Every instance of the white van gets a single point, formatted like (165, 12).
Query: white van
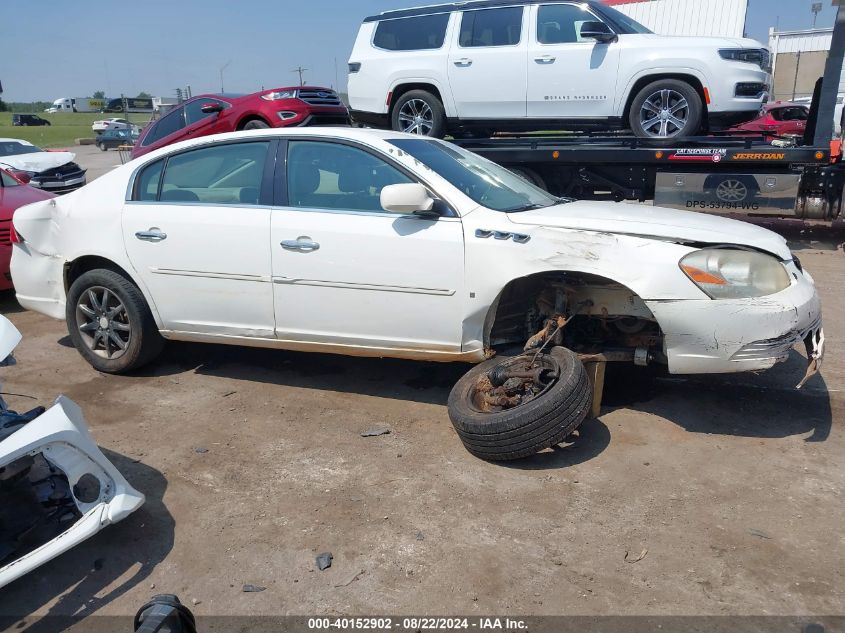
(533, 64)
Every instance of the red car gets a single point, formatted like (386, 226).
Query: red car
(215, 114)
(776, 119)
(13, 194)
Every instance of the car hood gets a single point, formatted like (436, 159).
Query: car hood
(701, 41)
(38, 161)
(655, 222)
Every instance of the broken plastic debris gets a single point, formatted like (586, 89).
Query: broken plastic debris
(758, 533)
(253, 589)
(375, 432)
(629, 559)
(324, 561)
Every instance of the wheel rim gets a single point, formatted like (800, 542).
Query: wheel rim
(731, 190)
(664, 114)
(486, 397)
(103, 322)
(416, 117)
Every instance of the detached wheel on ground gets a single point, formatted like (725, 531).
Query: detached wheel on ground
(510, 408)
(667, 108)
(419, 112)
(110, 323)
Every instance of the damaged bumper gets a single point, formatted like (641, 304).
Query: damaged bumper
(742, 334)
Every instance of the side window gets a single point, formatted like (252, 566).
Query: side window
(146, 186)
(323, 175)
(561, 23)
(425, 32)
(167, 125)
(220, 174)
(491, 27)
(7, 181)
(194, 113)
(777, 114)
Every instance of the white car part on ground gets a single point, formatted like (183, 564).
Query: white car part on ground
(56, 487)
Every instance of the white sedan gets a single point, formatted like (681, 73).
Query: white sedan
(112, 124)
(376, 243)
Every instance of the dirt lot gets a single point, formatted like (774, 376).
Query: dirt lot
(733, 484)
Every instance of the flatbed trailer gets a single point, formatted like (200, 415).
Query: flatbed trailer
(799, 178)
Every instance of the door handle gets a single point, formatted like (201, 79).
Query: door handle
(463, 62)
(545, 59)
(154, 234)
(302, 244)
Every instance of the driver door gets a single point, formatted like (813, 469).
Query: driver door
(348, 273)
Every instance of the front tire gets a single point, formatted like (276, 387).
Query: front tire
(110, 323)
(102, 147)
(256, 124)
(419, 112)
(667, 108)
(543, 415)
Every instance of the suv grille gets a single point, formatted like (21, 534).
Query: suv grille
(320, 97)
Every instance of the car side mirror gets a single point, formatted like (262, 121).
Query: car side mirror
(598, 31)
(406, 198)
(211, 108)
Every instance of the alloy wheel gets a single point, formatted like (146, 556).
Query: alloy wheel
(103, 322)
(416, 117)
(731, 190)
(664, 113)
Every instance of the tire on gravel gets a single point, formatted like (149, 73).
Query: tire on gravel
(145, 342)
(528, 428)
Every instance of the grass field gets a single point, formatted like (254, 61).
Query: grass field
(64, 128)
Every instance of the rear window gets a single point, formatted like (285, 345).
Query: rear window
(425, 32)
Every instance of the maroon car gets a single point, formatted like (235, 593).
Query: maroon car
(13, 194)
(776, 119)
(215, 114)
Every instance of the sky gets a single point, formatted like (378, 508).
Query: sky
(72, 49)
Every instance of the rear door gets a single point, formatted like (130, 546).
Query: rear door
(197, 232)
(569, 76)
(487, 64)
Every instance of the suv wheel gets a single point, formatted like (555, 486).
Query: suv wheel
(110, 323)
(256, 124)
(667, 108)
(419, 112)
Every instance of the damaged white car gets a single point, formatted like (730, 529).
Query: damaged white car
(56, 487)
(376, 243)
(52, 171)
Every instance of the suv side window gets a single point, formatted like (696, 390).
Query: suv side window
(425, 32)
(326, 175)
(561, 23)
(491, 27)
(171, 122)
(194, 113)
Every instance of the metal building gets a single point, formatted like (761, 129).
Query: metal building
(798, 59)
(724, 18)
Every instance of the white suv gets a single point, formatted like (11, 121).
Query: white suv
(528, 64)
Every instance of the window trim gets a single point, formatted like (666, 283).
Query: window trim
(412, 17)
(281, 198)
(587, 8)
(475, 11)
(265, 195)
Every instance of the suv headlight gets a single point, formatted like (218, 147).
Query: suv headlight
(279, 94)
(759, 56)
(734, 274)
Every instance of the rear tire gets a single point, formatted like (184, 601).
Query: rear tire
(110, 323)
(667, 108)
(539, 423)
(102, 147)
(419, 112)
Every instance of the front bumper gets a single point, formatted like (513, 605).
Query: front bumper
(60, 436)
(721, 336)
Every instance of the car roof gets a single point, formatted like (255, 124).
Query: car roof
(16, 140)
(455, 6)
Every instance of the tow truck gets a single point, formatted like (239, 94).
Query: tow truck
(797, 177)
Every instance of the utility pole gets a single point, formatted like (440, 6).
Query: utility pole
(816, 8)
(222, 68)
(300, 70)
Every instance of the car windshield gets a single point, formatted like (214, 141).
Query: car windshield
(622, 23)
(13, 148)
(483, 181)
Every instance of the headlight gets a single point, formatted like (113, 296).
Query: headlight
(759, 56)
(279, 94)
(734, 274)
